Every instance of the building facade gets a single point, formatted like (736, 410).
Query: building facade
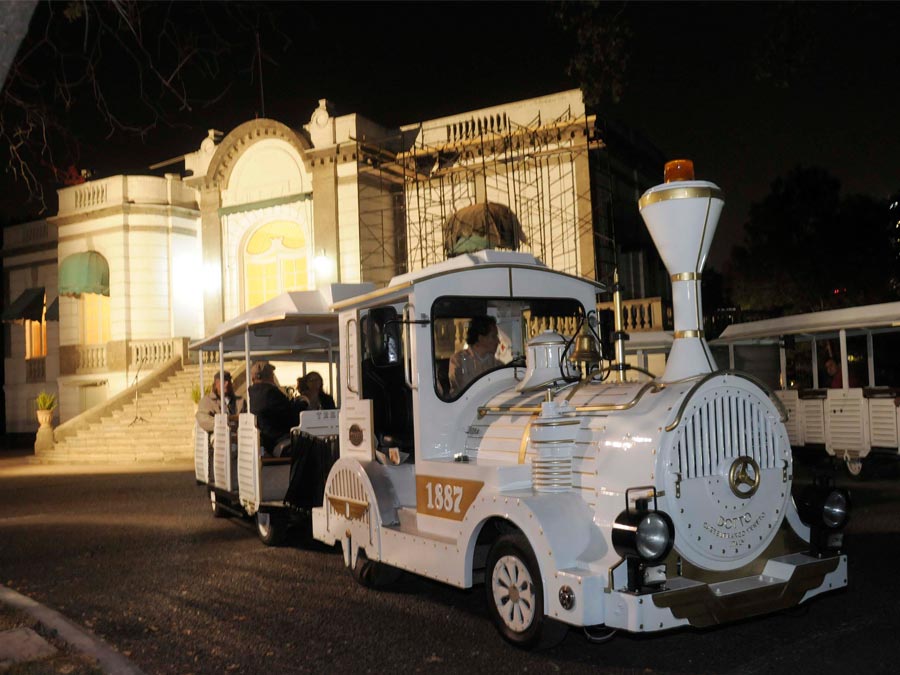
(132, 268)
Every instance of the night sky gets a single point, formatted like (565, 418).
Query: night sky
(691, 86)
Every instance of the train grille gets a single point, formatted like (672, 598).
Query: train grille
(346, 496)
(721, 428)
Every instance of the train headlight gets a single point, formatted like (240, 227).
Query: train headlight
(826, 509)
(643, 537)
(823, 505)
(648, 535)
(836, 509)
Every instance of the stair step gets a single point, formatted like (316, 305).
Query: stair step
(163, 435)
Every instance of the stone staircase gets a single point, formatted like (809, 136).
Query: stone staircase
(158, 429)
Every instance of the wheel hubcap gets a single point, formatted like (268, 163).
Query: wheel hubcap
(262, 522)
(513, 593)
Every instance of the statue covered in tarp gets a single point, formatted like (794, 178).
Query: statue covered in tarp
(480, 226)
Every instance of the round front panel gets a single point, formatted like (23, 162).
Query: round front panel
(728, 474)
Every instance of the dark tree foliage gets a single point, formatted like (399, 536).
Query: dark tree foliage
(602, 47)
(120, 67)
(807, 248)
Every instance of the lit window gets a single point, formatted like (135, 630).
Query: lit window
(94, 319)
(275, 261)
(36, 336)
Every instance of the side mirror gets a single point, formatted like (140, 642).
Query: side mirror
(382, 336)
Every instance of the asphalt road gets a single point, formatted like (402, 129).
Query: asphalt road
(139, 559)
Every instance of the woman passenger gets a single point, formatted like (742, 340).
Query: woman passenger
(310, 388)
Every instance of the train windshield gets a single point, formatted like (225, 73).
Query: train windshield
(475, 336)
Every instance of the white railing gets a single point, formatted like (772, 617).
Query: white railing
(564, 325)
(641, 314)
(152, 351)
(90, 357)
(91, 195)
(117, 190)
(35, 232)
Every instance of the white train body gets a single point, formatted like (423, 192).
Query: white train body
(454, 486)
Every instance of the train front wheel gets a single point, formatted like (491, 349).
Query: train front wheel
(515, 595)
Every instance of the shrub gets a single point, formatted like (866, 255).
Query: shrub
(45, 401)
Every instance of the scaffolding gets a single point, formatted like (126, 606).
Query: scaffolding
(539, 170)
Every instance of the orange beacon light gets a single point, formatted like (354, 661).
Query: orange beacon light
(678, 169)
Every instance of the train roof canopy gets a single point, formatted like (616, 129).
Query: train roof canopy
(292, 321)
(877, 318)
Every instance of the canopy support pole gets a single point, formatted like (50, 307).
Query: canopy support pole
(870, 357)
(221, 375)
(845, 370)
(815, 363)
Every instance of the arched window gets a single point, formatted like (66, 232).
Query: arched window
(275, 261)
(86, 276)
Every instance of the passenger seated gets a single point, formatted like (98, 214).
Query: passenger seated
(836, 378)
(275, 413)
(482, 338)
(211, 405)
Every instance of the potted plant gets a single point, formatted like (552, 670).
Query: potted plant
(45, 404)
(197, 395)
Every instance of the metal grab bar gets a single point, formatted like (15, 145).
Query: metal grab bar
(782, 411)
(408, 312)
(348, 359)
(605, 407)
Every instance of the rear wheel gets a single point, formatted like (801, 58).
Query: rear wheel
(271, 528)
(515, 595)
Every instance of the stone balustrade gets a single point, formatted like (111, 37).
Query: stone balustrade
(642, 314)
(119, 355)
(35, 370)
(28, 234)
(119, 190)
(87, 358)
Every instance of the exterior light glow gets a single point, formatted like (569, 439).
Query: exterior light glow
(323, 266)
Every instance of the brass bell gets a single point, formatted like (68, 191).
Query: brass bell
(586, 352)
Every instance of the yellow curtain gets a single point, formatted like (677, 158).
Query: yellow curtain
(275, 261)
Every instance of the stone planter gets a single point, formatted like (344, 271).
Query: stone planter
(44, 417)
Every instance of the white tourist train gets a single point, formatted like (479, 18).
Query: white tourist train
(852, 421)
(577, 494)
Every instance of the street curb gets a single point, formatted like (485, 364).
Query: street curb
(111, 661)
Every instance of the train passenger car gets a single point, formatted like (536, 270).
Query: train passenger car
(852, 414)
(241, 479)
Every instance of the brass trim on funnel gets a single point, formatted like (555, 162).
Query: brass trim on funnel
(680, 193)
(686, 276)
(682, 334)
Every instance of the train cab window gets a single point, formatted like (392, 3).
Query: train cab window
(475, 336)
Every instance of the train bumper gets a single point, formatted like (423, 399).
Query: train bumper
(785, 582)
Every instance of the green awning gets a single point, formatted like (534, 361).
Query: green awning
(29, 305)
(53, 310)
(86, 272)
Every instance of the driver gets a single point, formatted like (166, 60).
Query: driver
(479, 357)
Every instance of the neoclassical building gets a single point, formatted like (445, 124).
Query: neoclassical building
(133, 267)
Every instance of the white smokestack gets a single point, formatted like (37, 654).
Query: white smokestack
(682, 217)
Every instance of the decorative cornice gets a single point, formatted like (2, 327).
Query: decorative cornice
(242, 137)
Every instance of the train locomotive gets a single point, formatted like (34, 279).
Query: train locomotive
(577, 494)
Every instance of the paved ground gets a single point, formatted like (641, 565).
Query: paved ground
(138, 559)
